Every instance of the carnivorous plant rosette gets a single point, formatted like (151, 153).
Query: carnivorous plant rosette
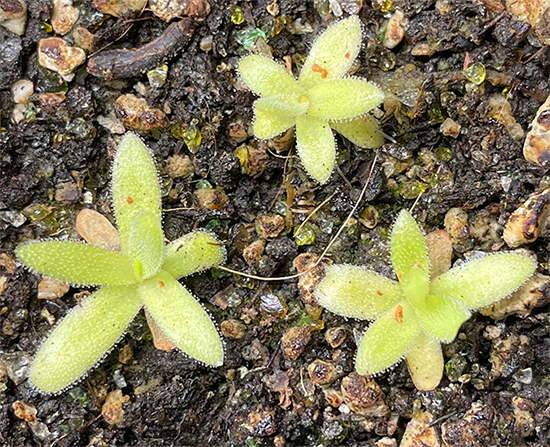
(323, 97)
(143, 273)
(414, 315)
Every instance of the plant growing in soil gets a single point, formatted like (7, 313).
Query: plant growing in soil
(322, 97)
(413, 315)
(143, 274)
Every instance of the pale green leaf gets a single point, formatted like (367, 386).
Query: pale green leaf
(88, 331)
(486, 280)
(343, 99)
(192, 253)
(442, 317)
(388, 339)
(77, 262)
(181, 318)
(409, 255)
(265, 77)
(268, 126)
(425, 362)
(146, 243)
(333, 53)
(135, 185)
(356, 292)
(316, 147)
(364, 132)
(283, 104)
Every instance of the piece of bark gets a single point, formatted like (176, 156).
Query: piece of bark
(115, 64)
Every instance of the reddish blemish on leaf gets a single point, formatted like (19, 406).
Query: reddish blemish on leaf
(161, 284)
(346, 55)
(316, 68)
(399, 275)
(129, 200)
(379, 293)
(398, 314)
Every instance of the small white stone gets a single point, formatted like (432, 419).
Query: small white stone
(22, 90)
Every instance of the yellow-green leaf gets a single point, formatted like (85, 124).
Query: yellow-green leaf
(425, 362)
(192, 253)
(265, 77)
(356, 292)
(364, 132)
(343, 99)
(333, 53)
(283, 104)
(135, 185)
(77, 262)
(181, 318)
(268, 126)
(146, 243)
(486, 280)
(388, 339)
(316, 147)
(88, 331)
(442, 317)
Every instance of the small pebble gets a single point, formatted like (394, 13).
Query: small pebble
(418, 432)
(470, 431)
(51, 99)
(450, 128)
(295, 340)
(51, 289)
(395, 30)
(25, 411)
(270, 226)
(13, 16)
(335, 336)
(456, 224)
(440, 252)
(253, 252)
(22, 90)
(529, 221)
(363, 395)
(322, 373)
(178, 166)
(96, 229)
(112, 410)
(233, 328)
(160, 340)
(335, 398)
(119, 7)
(136, 114)
(211, 199)
(56, 55)
(64, 16)
(67, 192)
(83, 38)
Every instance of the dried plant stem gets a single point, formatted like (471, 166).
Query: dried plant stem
(328, 247)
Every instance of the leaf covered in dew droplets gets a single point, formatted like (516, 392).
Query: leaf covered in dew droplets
(146, 243)
(266, 77)
(316, 147)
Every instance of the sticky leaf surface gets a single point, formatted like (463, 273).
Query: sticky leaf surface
(146, 242)
(192, 253)
(316, 147)
(442, 317)
(88, 331)
(77, 263)
(357, 292)
(265, 77)
(364, 132)
(285, 104)
(332, 53)
(267, 125)
(135, 185)
(486, 280)
(181, 318)
(425, 362)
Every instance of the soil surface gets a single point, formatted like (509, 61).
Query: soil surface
(55, 160)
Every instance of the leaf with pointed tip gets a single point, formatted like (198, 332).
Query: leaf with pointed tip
(388, 339)
(266, 77)
(409, 255)
(181, 318)
(343, 99)
(333, 53)
(316, 147)
(442, 317)
(88, 331)
(135, 185)
(356, 292)
(364, 132)
(486, 280)
(425, 362)
(146, 243)
(77, 262)
(269, 126)
(193, 253)
(283, 104)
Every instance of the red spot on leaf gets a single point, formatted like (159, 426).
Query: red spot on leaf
(378, 292)
(321, 70)
(346, 55)
(161, 284)
(398, 314)
(129, 200)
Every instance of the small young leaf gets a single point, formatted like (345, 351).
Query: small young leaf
(268, 126)
(146, 242)
(77, 263)
(192, 253)
(88, 331)
(135, 185)
(486, 280)
(388, 339)
(356, 292)
(342, 99)
(364, 132)
(316, 147)
(442, 317)
(425, 362)
(265, 77)
(333, 53)
(181, 318)
(283, 105)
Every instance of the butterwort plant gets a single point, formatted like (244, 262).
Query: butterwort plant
(321, 99)
(143, 274)
(414, 315)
